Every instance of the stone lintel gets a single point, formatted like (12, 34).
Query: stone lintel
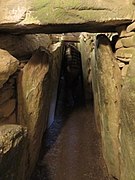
(91, 27)
(48, 16)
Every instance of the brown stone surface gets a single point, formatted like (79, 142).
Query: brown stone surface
(127, 34)
(126, 41)
(124, 70)
(8, 66)
(86, 47)
(123, 30)
(5, 95)
(49, 16)
(127, 133)
(23, 45)
(12, 140)
(131, 27)
(125, 53)
(118, 44)
(33, 102)
(11, 119)
(7, 108)
(106, 86)
(120, 64)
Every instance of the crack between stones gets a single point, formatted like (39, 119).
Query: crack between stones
(84, 9)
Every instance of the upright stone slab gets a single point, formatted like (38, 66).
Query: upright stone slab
(56, 50)
(33, 102)
(86, 48)
(106, 86)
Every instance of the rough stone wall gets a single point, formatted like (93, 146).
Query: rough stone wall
(8, 102)
(12, 144)
(12, 137)
(8, 68)
(21, 47)
(113, 84)
(125, 53)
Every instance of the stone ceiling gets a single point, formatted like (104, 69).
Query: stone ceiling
(49, 16)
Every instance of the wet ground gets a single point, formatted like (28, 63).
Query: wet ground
(71, 146)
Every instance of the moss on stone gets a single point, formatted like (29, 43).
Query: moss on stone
(48, 12)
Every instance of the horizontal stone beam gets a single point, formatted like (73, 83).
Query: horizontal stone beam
(48, 16)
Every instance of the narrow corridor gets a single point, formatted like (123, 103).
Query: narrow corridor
(71, 146)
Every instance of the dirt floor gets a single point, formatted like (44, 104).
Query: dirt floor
(71, 146)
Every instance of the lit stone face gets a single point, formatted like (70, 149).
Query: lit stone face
(98, 15)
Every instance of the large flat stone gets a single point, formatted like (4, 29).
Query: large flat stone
(22, 46)
(106, 86)
(34, 102)
(49, 16)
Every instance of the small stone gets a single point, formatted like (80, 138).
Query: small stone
(128, 41)
(121, 64)
(124, 53)
(131, 27)
(125, 60)
(127, 34)
(124, 70)
(118, 44)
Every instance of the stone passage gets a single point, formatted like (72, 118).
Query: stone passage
(26, 99)
(71, 146)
